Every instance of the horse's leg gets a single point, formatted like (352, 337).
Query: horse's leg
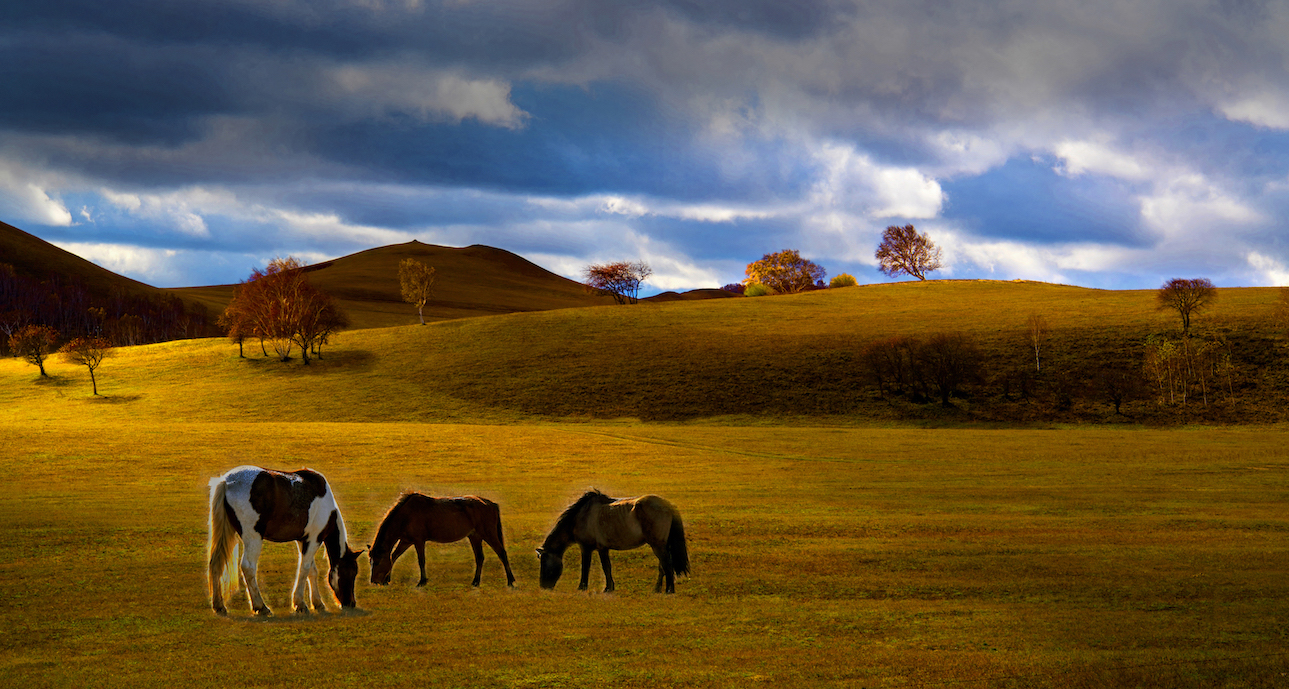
(665, 569)
(420, 559)
(494, 541)
(476, 544)
(586, 567)
(608, 570)
(398, 551)
(313, 586)
(299, 595)
(251, 544)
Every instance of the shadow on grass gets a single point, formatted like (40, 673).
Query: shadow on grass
(51, 381)
(343, 361)
(294, 618)
(114, 399)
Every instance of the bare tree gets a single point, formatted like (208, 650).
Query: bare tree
(904, 251)
(88, 352)
(621, 280)
(949, 360)
(1036, 326)
(417, 282)
(785, 272)
(1186, 297)
(33, 344)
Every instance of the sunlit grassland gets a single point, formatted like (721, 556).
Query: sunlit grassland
(838, 556)
(830, 547)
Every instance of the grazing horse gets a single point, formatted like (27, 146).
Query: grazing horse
(600, 523)
(418, 518)
(254, 505)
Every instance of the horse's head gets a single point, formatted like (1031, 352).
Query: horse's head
(381, 567)
(552, 567)
(342, 576)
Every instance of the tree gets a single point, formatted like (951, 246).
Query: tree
(1186, 297)
(1036, 326)
(904, 251)
(843, 280)
(417, 282)
(279, 305)
(88, 352)
(784, 272)
(949, 360)
(33, 344)
(621, 280)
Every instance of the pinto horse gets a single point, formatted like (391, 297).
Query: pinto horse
(417, 518)
(599, 523)
(254, 505)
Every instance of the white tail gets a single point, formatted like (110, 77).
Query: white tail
(223, 545)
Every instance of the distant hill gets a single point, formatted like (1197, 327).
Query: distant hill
(35, 258)
(692, 295)
(472, 281)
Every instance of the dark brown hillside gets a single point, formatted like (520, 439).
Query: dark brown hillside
(471, 281)
(41, 284)
(34, 258)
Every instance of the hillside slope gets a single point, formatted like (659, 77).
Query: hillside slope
(770, 358)
(37, 259)
(471, 281)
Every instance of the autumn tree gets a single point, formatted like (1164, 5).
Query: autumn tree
(88, 352)
(33, 344)
(621, 280)
(279, 305)
(1186, 297)
(417, 283)
(1036, 330)
(904, 251)
(785, 272)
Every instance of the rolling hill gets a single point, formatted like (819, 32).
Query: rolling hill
(35, 258)
(760, 360)
(471, 281)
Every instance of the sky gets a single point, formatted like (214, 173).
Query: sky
(1103, 143)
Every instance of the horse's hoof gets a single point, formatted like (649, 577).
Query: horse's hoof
(221, 611)
(301, 610)
(264, 612)
(423, 583)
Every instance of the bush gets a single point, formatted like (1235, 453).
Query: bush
(757, 290)
(843, 280)
(735, 287)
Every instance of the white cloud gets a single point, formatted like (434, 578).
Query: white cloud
(853, 181)
(149, 265)
(25, 196)
(1271, 271)
(1082, 157)
(1266, 108)
(1190, 204)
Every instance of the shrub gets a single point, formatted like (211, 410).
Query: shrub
(843, 280)
(757, 290)
(735, 287)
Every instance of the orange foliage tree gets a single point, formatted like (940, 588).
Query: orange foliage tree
(784, 272)
(33, 344)
(279, 305)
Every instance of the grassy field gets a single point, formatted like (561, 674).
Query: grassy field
(821, 556)
(831, 546)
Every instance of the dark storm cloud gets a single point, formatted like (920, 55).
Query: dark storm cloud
(697, 133)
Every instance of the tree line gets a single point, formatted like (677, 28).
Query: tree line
(279, 306)
(70, 310)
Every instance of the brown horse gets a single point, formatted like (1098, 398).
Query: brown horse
(600, 523)
(418, 518)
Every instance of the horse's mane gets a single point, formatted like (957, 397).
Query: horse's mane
(593, 496)
(383, 531)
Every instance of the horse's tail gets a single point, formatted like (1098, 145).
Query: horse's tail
(676, 547)
(223, 542)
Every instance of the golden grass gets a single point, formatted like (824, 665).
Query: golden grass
(839, 556)
(827, 550)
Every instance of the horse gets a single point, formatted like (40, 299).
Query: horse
(599, 523)
(417, 518)
(252, 505)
